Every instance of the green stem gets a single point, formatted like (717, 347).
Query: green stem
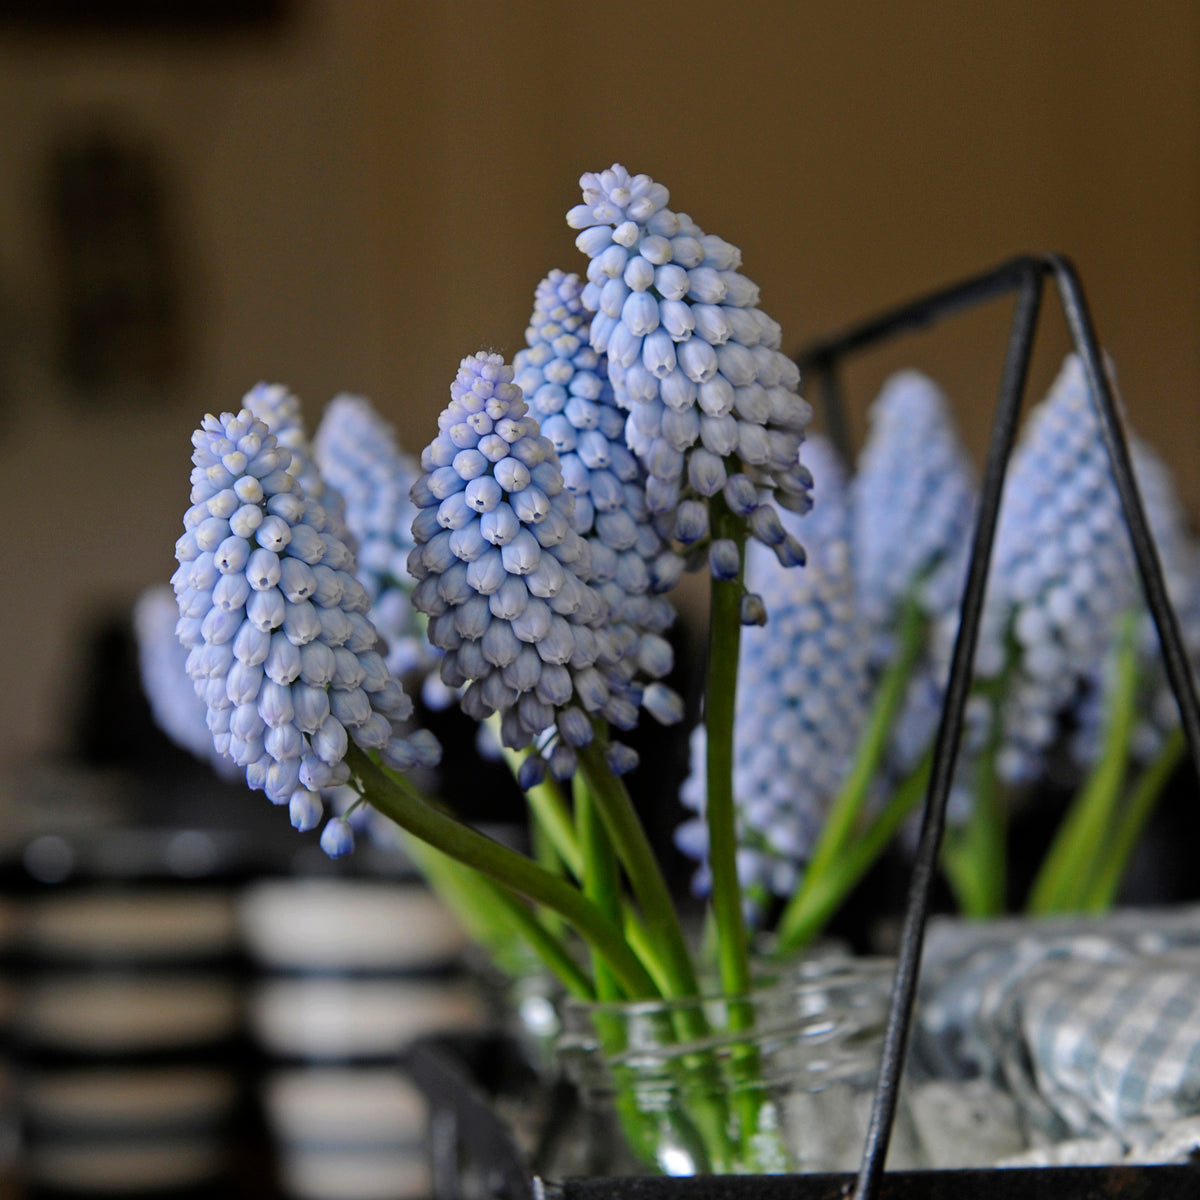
(819, 902)
(542, 942)
(640, 943)
(552, 822)
(458, 887)
(1102, 890)
(395, 798)
(601, 880)
(602, 885)
(477, 899)
(1061, 883)
(724, 641)
(838, 827)
(974, 857)
(673, 964)
(549, 810)
(642, 868)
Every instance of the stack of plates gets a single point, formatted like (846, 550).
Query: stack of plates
(127, 1029)
(350, 971)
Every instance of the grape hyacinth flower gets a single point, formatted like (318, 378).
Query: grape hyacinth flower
(357, 454)
(713, 406)
(162, 666)
(1158, 713)
(802, 698)
(274, 621)
(503, 577)
(914, 503)
(564, 380)
(913, 509)
(1062, 571)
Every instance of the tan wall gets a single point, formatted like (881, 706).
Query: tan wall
(374, 190)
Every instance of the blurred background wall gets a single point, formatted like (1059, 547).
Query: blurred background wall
(353, 195)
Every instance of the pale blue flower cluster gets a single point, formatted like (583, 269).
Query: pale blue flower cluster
(1180, 561)
(914, 502)
(1062, 573)
(503, 577)
(357, 454)
(274, 620)
(803, 687)
(712, 402)
(564, 381)
(162, 666)
(914, 499)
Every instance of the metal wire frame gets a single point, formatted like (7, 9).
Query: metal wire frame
(1025, 276)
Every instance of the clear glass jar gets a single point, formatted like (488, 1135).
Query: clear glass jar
(778, 1081)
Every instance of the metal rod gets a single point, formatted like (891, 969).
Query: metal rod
(945, 753)
(917, 314)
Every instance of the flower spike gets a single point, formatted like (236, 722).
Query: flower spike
(504, 578)
(357, 453)
(914, 499)
(1062, 570)
(691, 357)
(162, 666)
(565, 383)
(274, 621)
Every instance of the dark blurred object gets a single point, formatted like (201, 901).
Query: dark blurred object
(119, 310)
(141, 16)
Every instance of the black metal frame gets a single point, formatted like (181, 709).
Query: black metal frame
(1024, 276)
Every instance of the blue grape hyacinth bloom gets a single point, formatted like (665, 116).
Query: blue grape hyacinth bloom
(162, 666)
(803, 689)
(274, 620)
(1062, 572)
(504, 578)
(914, 500)
(913, 504)
(564, 381)
(713, 403)
(358, 456)
(1157, 710)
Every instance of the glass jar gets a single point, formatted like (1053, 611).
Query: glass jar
(778, 1081)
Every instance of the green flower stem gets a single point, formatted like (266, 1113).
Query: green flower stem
(636, 855)
(395, 798)
(552, 821)
(1102, 889)
(818, 903)
(724, 640)
(974, 857)
(544, 853)
(601, 880)
(602, 885)
(458, 887)
(494, 917)
(1074, 855)
(640, 944)
(732, 939)
(549, 809)
(548, 948)
(673, 965)
(838, 828)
